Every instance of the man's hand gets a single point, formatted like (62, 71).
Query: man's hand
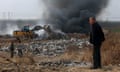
(89, 44)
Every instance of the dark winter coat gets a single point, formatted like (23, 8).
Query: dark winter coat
(96, 34)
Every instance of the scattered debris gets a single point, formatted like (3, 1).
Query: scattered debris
(49, 47)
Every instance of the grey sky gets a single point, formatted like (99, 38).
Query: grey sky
(112, 12)
(20, 9)
(33, 9)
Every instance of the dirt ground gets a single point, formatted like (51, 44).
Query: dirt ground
(28, 63)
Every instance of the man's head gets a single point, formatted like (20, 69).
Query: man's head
(92, 20)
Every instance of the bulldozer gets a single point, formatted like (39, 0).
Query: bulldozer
(24, 33)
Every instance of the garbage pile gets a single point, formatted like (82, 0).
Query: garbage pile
(64, 64)
(49, 47)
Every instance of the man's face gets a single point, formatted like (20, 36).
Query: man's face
(92, 21)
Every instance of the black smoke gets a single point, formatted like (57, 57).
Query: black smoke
(72, 15)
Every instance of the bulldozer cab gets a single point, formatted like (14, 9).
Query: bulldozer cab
(25, 29)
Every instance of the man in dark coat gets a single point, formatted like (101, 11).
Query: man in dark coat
(96, 38)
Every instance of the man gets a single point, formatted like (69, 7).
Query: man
(96, 38)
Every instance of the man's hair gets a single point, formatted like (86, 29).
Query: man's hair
(93, 18)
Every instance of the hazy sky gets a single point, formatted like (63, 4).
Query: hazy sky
(33, 9)
(112, 12)
(20, 9)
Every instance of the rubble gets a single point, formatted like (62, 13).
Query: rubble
(49, 47)
(65, 64)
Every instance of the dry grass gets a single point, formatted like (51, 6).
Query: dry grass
(75, 54)
(23, 60)
(111, 49)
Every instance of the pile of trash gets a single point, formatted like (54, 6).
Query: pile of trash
(49, 47)
(64, 64)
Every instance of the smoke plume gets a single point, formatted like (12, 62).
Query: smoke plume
(72, 15)
(8, 28)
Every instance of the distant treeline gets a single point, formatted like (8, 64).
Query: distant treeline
(111, 24)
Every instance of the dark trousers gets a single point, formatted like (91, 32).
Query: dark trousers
(97, 56)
